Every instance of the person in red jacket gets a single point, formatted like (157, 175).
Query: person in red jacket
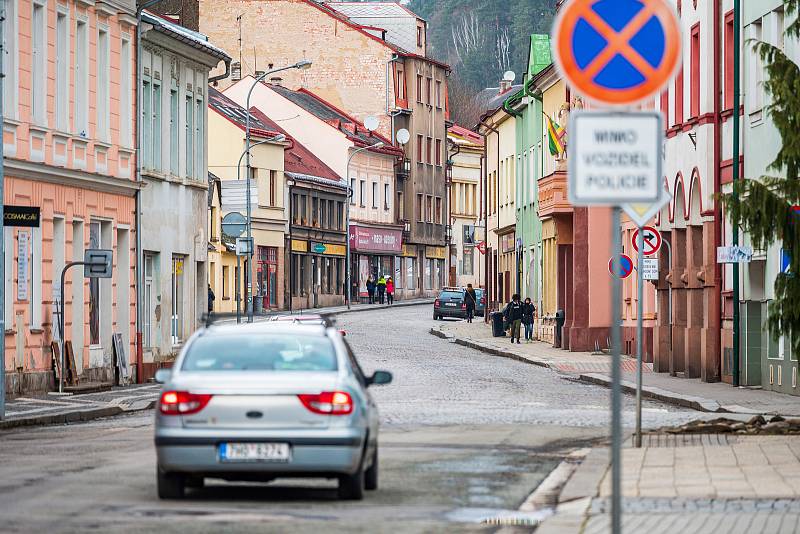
(390, 291)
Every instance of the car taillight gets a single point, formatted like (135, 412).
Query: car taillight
(328, 403)
(182, 402)
(463, 305)
(437, 303)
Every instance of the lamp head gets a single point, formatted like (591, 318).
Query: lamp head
(303, 64)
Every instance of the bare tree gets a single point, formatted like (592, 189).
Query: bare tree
(467, 35)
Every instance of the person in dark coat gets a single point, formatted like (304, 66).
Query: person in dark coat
(528, 312)
(211, 298)
(471, 300)
(513, 314)
(371, 290)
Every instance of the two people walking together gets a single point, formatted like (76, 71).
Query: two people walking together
(518, 313)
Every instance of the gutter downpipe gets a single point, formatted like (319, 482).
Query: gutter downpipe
(395, 58)
(737, 19)
(712, 372)
(486, 194)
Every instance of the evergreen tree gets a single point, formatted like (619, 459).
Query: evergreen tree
(763, 208)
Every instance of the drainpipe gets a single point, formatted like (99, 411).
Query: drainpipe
(737, 16)
(215, 79)
(486, 194)
(715, 318)
(395, 58)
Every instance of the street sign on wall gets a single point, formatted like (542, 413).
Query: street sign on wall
(734, 254)
(614, 157)
(617, 52)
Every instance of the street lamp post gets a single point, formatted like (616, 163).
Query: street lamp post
(302, 65)
(348, 289)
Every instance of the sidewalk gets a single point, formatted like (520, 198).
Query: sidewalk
(596, 369)
(51, 409)
(726, 484)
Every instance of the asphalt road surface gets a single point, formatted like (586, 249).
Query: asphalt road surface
(465, 437)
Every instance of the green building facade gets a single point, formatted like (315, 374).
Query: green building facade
(526, 106)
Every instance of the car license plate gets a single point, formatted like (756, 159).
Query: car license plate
(255, 452)
(449, 303)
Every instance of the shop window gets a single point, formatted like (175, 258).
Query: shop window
(178, 266)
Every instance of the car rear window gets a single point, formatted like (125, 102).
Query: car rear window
(260, 353)
(451, 294)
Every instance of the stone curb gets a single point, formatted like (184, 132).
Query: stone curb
(75, 416)
(436, 331)
(701, 404)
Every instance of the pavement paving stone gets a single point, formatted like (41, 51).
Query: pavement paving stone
(586, 365)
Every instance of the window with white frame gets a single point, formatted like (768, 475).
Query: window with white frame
(174, 167)
(755, 89)
(39, 62)
(125, 84)
(10, 46)
(199, 137)
(147, 132)
(103, 83)
(81, 71)
(62, 69)
(189, 142)
(155, 127)
(386, 197)
(374, 195)
(35, 282)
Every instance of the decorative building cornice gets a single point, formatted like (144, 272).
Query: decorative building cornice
(71, 177)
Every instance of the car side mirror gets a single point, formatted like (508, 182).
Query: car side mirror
(379, 378)
(163, 375)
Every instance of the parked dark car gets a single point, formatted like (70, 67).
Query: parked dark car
(450, 303)
(480, 308)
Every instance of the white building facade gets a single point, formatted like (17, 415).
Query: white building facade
(174, 71)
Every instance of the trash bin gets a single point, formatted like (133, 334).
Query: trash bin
(560, 320)
(497, 324)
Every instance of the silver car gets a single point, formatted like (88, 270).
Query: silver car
(263, 401)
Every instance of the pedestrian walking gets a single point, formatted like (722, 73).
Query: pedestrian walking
(390, 291)
(211, 298)
(513, 314)
(371, 289)
(471, 300)
(381, 288)
(528, 312)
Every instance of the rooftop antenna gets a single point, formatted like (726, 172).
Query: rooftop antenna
(239, 21)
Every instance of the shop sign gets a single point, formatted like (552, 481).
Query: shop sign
(334, 250)
(299, 246)
(438, 253)
(319, 248)
(408, 251)
(27, 216)
(23, 238)
(365, 239)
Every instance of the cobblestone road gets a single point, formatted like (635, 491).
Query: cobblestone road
(438, 382)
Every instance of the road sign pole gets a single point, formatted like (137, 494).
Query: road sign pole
(238, 289)
(639, 311)
(616, 393)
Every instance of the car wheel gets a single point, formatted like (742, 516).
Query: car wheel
(371, 475)
(351, 487)
(170, 485)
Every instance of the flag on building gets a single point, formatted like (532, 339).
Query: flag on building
(555, 136)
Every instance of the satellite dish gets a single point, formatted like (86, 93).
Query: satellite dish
(509, 76)
(403, 136)
(371, 123)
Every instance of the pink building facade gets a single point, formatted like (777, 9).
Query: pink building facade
(68, 138)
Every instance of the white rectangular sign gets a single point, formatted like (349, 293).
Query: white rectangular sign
(649, 268)
(614, 157)
(734, 254)
(23, 261)
(234, 194)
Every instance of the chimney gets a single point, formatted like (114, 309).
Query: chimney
(259, 73)
(236, 71)
(276, 80)
(505, 85)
